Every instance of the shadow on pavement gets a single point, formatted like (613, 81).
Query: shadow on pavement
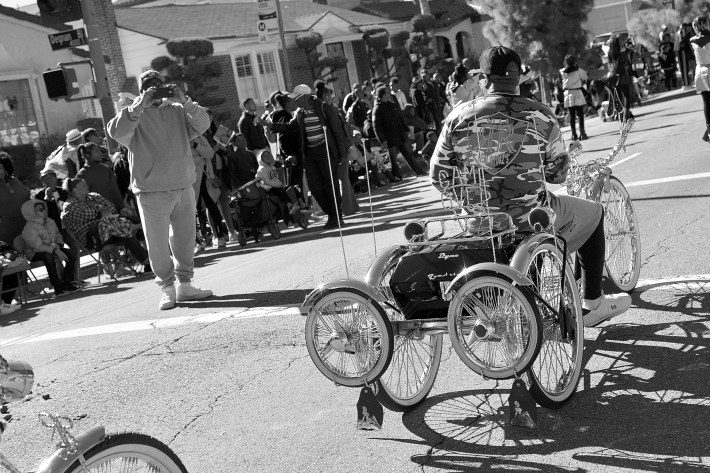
(253, 299)
(647, 411)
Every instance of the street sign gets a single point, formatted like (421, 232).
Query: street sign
(267, 23)
(67, 39)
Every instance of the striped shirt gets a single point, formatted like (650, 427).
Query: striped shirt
(314, 129)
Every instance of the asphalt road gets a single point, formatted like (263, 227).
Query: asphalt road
(228, 384)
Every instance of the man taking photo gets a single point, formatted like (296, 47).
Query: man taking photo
(157, 129)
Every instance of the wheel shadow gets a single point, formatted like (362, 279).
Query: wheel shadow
(642, 396)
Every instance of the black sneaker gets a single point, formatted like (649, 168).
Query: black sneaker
(147, 268)
(329, 225)
(69, 287)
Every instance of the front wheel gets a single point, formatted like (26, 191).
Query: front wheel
(555, 373)
(129, 452)
(495, 325)
(623, 238)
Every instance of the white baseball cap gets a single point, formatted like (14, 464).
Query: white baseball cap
(301, 89)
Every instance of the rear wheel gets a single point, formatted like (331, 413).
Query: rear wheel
(415, 361)
(623, 239)
(555, 372)
(129, 452)
(349, 337)
(494, 325)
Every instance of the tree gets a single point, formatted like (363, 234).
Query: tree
(190, 66)
(542, 32)
(321, 68)
(646, 25)
(387, 54)
(421, 38)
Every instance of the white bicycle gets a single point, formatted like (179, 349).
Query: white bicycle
(92, 450)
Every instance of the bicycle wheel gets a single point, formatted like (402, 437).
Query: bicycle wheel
(554, 374)
(494, 325)
(349, 337)
(623, 239)
(129, 452)
(415, 360)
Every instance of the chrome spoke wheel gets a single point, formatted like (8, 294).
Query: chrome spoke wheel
(555, 373)
(623, 240)
(348, 337)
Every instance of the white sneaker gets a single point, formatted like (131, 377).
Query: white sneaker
(167, 300)
(199, 248)
(6, 309)
(233, 236)
(187, 292)
(608, 305)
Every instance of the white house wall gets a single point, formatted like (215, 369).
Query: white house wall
(16, 39)
(138, 50)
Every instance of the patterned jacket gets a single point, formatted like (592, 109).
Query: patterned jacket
(507, 138)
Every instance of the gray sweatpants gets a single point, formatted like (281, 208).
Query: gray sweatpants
(168, 219)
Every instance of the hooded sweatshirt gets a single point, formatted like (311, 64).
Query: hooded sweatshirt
(268, 174)
(40, 233)
(158, 145)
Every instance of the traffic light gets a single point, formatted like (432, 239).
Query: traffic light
(61, 83)
(54, 12)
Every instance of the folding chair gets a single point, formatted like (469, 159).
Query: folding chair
(110, 258)
(27, 280)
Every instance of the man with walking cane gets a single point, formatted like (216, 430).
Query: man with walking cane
(323, 147)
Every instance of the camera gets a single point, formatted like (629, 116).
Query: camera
(165, 91)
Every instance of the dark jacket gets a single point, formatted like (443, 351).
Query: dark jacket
(389, 124)
(51, 196)
(241, 166)
(256, 139)
(102, 180)
(286, 143)
(328, 116)
(358, 113)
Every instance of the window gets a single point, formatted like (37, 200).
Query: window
(267, 71)
(18, 122)
(341, 85)
(257, 75)
(246, 81)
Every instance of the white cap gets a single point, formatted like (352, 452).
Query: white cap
(301, 89)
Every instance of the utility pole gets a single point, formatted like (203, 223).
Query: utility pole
(287, 69)
(97, 58)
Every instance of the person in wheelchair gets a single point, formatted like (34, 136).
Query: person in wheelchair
(510, 138)
(270, 182)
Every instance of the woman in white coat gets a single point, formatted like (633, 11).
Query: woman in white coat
(573, 78)
(701, 47)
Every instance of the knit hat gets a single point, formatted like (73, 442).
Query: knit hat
(500, 61)
(149, 77)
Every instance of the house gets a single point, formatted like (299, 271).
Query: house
(26, 112)
(251, 68)
(458, 27)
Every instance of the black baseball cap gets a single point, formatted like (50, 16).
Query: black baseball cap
(497, 61)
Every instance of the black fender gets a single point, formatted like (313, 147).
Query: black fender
(470, 273)
(60, 461)
(369, 292)
(374, 274)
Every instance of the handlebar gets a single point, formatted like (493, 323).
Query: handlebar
(16, 379)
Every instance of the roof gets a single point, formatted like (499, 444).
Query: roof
(24, 16)
(229, 20)
(446, 12)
